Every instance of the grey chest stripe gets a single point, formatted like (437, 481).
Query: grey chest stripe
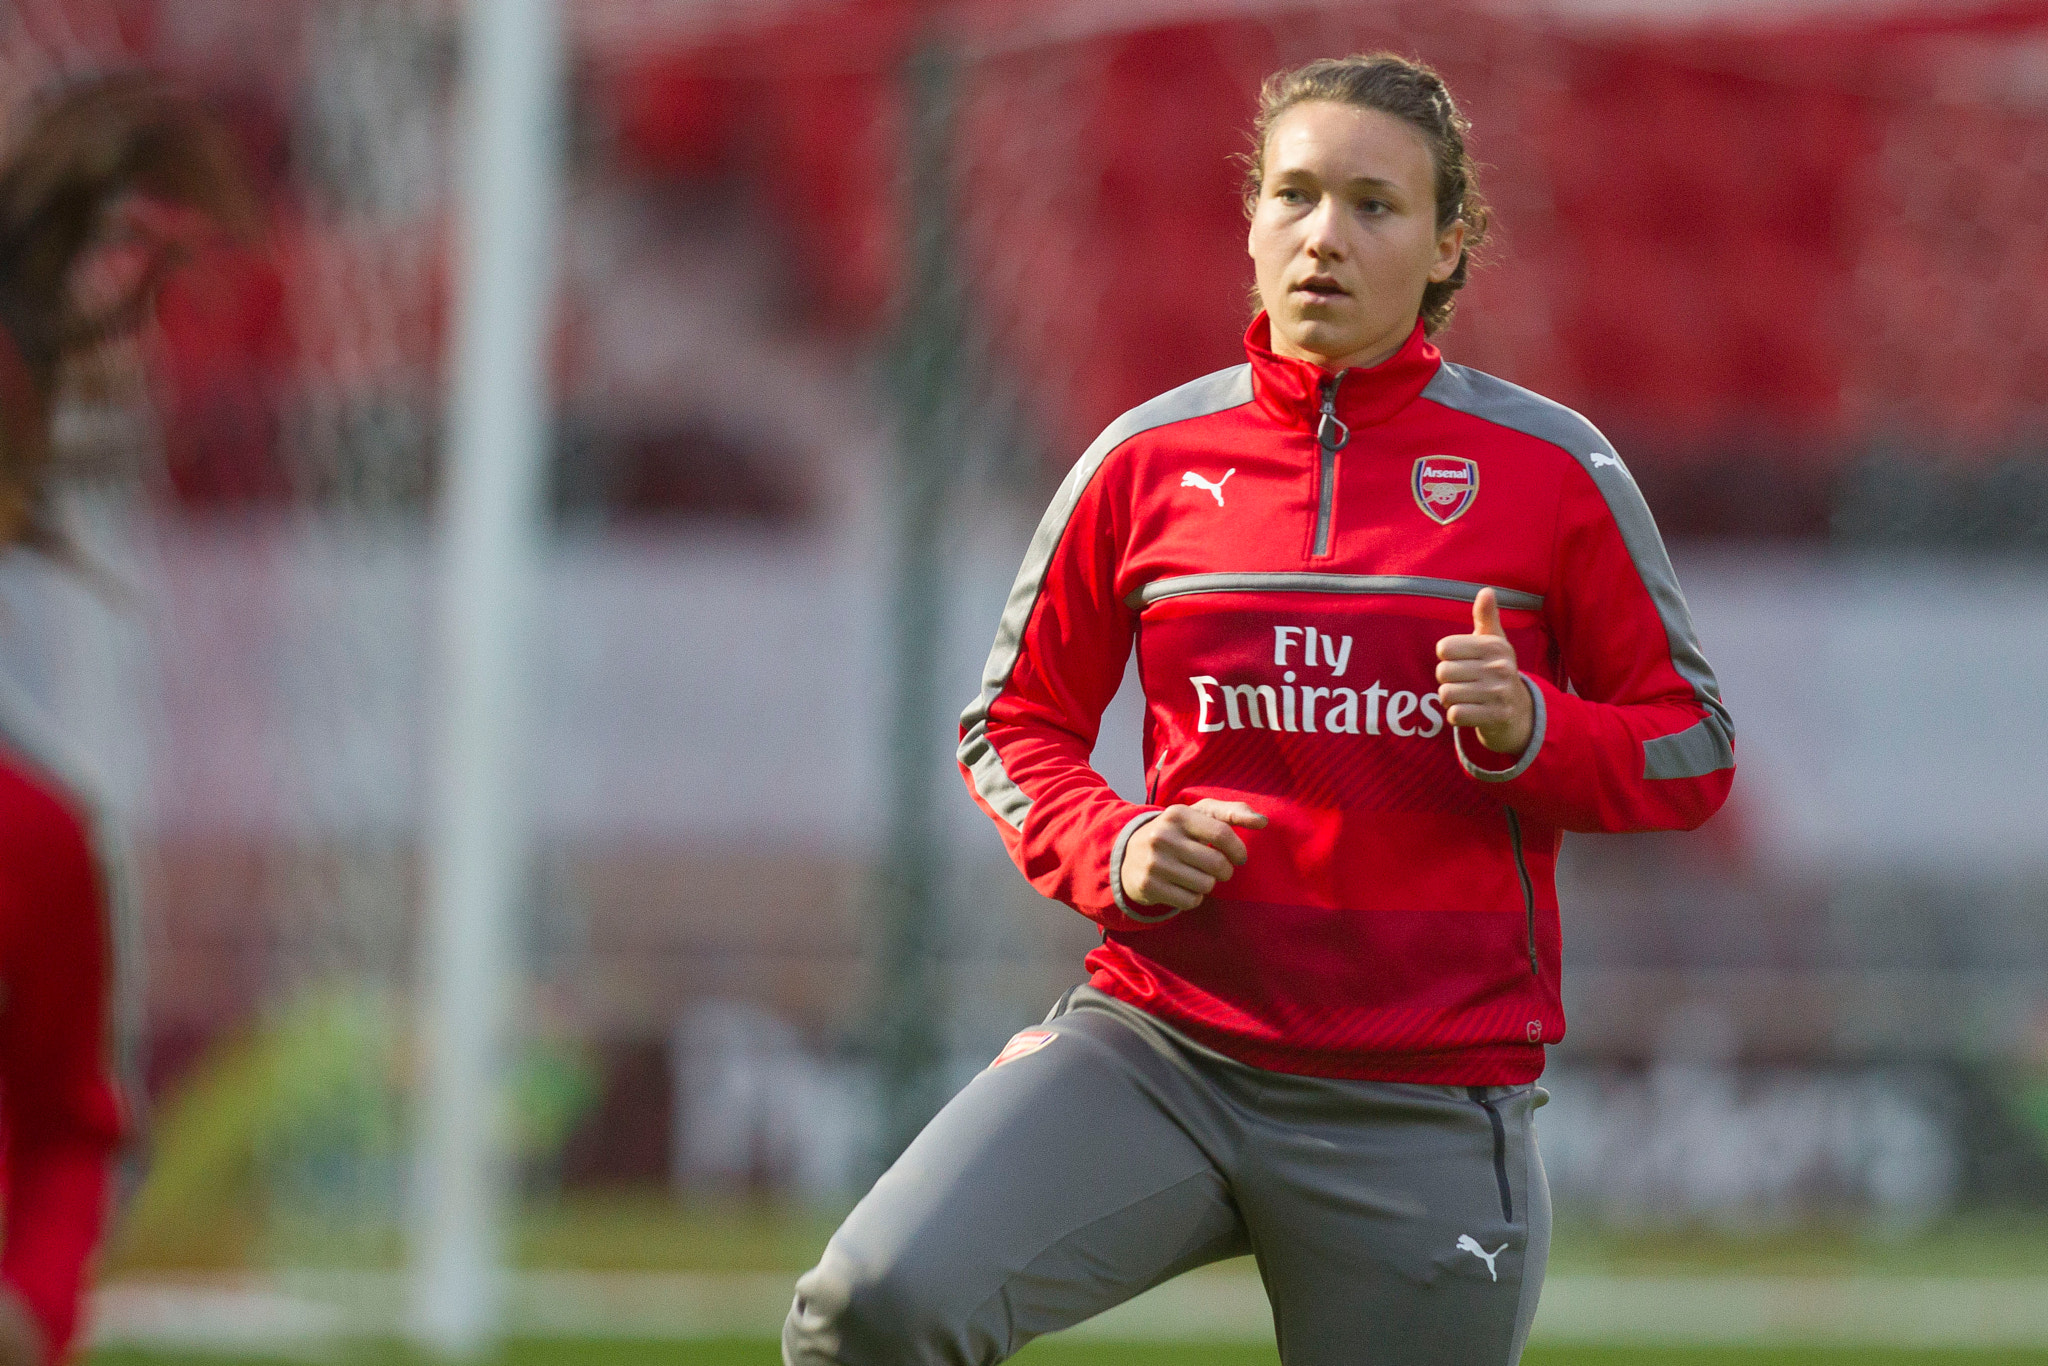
(1215, 393)
(1397, 585)
(1703, 748)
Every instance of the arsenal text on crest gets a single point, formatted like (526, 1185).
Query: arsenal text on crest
(1445, 486)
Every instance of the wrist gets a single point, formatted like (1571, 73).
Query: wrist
(1477, 759)
(1121, 865)
(1513, 736)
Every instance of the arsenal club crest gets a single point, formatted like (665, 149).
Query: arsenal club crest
(1445, 486)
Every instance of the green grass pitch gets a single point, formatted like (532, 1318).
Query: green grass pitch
(1052, 1352)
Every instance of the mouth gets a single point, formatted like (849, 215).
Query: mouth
(1321, 287)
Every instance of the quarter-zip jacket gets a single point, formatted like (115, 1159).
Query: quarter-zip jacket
(1285, 547)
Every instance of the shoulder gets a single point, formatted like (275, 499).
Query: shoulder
(53, 893)
(1211, 394)
(1495, 400)
(35, 805)
(45, 834)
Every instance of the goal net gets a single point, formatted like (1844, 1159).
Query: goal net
(1731, 240)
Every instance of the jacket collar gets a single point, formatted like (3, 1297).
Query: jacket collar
(1291, 390)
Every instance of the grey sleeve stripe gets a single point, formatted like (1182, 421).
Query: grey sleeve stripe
(1512, 406)
(1401, 585)
(1215, 393)
(990, 780)
(1694, 752)
(1116, 871)
(1537, 729)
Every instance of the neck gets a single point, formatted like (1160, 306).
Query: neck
(1380, 350)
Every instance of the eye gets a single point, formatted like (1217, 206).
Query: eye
(1289, 195)
(1373, 208)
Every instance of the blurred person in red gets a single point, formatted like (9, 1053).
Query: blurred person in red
(1399, 625)
(78, 188)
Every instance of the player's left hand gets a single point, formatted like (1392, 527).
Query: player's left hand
(21, 1339)
(1480, 685)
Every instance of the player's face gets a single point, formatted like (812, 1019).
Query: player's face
(1344, 235)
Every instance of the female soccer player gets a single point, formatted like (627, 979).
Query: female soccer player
(1399, 624)
(61, 1110)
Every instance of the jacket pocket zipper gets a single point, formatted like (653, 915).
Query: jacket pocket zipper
(1331, 436)
(1528, 887)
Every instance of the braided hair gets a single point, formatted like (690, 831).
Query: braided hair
(1416, 95)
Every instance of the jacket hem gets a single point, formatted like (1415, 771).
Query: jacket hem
(1491, 1064)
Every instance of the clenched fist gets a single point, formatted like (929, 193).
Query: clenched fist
(1177, 858)
(1481, 686)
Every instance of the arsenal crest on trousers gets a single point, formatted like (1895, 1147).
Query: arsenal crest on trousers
(1445, 486)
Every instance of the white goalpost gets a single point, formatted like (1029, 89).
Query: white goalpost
(491, 513)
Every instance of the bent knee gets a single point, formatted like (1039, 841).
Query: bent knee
(897, 1314)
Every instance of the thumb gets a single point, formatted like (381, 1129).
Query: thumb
(1231, 813)
(1486, 614)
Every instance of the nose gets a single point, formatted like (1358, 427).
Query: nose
(1321, 238)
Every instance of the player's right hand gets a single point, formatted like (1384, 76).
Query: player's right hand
(1177, 858)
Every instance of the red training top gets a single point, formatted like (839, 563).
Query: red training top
(61, 1115)
(1286, 547)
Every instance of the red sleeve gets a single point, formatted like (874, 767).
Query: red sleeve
(1059, 658)
(1642, 741)
(62, 1110)
(56, 1206)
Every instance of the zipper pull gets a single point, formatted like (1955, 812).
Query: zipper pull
(1331, 433)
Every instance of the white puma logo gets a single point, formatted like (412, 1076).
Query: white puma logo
(1467, 1243)
(1600, 458)
(1191, 480)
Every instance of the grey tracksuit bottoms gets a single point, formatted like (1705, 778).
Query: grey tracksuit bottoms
(1393, 1224)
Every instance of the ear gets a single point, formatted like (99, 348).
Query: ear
(1450, 245)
